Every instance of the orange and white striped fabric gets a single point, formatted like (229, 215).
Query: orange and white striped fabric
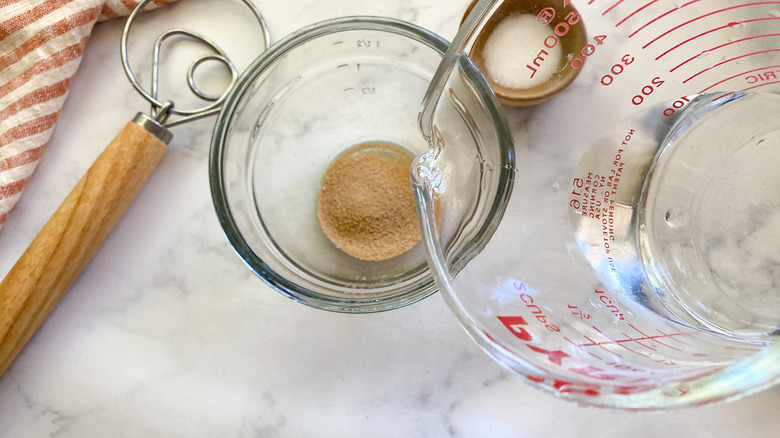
(41, 43)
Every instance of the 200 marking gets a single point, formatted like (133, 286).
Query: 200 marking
(647, 90)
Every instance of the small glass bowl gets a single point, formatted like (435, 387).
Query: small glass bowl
(311, 96)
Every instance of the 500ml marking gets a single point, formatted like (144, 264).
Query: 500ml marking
(544, 18)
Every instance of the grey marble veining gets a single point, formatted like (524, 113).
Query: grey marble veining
(167, 334)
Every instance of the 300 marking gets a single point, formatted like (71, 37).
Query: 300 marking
(616, 70)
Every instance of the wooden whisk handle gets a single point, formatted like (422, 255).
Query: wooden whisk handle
(65, 244)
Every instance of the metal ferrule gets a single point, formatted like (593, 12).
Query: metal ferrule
(148, 123)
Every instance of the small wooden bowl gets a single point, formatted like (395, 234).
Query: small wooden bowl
(572, 43)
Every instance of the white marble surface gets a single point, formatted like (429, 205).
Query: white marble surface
(167, 334)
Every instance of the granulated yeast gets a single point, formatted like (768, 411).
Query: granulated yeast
(366, 204)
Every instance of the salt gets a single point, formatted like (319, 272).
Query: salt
(516, 55)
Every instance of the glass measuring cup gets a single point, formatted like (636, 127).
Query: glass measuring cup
(634, 262)
(310, 97)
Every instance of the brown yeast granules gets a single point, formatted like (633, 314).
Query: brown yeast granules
(366, 204)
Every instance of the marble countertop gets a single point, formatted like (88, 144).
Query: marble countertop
(167, 334)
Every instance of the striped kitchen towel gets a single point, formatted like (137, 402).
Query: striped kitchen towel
(41, 43)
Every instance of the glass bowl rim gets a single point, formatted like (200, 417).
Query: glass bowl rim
(420, 288)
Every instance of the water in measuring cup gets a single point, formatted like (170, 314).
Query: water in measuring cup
(675, 210)
(683, 213)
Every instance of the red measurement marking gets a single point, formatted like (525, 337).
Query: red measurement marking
(730, 60)
(592, 343)
(591, 2)
(621, 343)
(629, 339)
(649, 347)
(634, 13)
(727, 26)
(721, 46)
(737, 75)
(654, 340)
(705, 16)
(662, 16)
(578, 346)
(611, 8)
(677, 332)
